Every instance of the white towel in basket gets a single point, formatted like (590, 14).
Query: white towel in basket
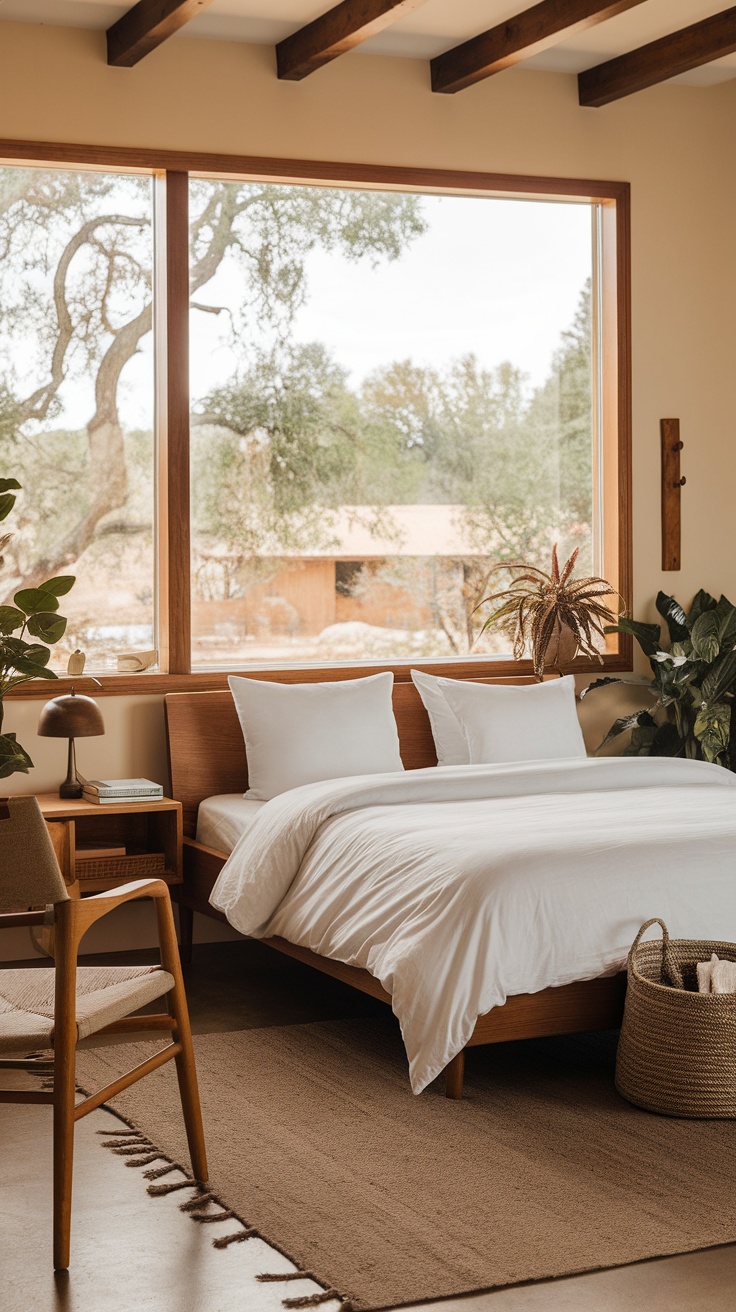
(716, 976)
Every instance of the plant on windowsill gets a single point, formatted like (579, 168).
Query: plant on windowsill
(693, 685)
(34, 613)
(552, 616)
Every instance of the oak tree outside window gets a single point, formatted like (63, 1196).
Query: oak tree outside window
(77, 399)
(368, 395)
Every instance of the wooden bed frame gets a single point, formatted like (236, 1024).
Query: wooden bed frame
(207, 756)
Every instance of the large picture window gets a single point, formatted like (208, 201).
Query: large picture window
(393, 393)
(274, 423)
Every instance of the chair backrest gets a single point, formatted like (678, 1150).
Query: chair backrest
(29, 872)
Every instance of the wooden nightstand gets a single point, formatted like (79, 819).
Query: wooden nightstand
(150, 833)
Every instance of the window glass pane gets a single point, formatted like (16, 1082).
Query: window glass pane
(391, 395)
(76, 400)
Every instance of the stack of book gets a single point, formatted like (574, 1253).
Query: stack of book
(121, 790)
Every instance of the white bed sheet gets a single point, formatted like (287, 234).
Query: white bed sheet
(459, 886)
(223, 819)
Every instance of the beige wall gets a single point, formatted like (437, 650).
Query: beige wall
(674, 144)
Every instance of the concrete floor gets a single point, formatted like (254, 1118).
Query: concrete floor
(131, 1252)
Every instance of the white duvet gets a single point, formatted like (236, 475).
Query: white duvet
(460, 886)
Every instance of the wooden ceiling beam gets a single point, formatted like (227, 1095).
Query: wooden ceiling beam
(146, 26)
(659, 61)
(529, 33)
(336, 32)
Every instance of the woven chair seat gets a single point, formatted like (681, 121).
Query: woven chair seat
(104, 994)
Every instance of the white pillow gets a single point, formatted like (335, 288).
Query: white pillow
(298, 733)
(449, 740)
(502, 722)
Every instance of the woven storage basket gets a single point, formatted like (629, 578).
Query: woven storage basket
(677, 1051)
(137, 866)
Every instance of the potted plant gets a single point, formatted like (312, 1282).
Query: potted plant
(33, 615)
(553, 616)
(693, 683)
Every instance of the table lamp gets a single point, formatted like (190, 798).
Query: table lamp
(71, 717)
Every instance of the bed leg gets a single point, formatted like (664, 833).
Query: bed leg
(186, 933)
(454, 1075)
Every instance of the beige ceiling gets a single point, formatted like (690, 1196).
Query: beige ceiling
(432, 28)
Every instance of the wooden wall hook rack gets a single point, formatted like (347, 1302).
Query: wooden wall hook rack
(672, 483)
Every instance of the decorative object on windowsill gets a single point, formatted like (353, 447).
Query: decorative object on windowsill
(133, 662)
(675, 1054)
(34, 613)
(552, 616)
(693, 684)
(75, 664)
(71, 717)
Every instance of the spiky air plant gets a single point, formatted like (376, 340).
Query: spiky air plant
(553, 616)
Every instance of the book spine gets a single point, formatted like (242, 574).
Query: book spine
(123, 792)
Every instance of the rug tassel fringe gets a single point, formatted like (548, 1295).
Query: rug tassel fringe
(195, 1204)
(130, 1143)
(309, 1300)
(161, 1170)
(248, 1232)
(315, 1300)
(160, 1190)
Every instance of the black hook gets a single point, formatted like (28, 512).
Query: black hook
(680, 482)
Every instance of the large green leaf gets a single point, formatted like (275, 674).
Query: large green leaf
(674, 616)
(33, 600)
(701, 602)
(726, 613)
(704, 636)
(641, 719)
(47, 626)
(720, 678)
(11, 619)
(9, 484)
(59, 586)
(7, 501)
(32, 669)
(640, 743)
(37, 653)
(712, 729)
(14, 759)
(648, 636)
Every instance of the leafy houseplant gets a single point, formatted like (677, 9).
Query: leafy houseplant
(693, 684)
(34, 614)
(552, 615)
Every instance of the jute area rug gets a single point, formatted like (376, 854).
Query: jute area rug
(542, 1170)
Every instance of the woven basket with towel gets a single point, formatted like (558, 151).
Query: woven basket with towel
(677, 1050)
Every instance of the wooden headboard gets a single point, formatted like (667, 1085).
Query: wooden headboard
(207, 753)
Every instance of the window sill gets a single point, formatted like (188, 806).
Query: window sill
(131, 685)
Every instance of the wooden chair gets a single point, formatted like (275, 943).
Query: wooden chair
(56, 1007)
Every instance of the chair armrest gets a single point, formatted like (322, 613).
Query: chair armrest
(85, 911)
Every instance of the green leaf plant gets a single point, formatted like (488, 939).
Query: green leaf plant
(693, 683)
(33, 615)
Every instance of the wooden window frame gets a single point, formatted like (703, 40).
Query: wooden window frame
(171, 171)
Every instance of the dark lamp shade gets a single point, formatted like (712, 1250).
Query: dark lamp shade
(74, 716)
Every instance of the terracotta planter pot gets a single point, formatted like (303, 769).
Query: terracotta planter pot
(562, 649)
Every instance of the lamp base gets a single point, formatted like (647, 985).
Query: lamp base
(72, 785)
